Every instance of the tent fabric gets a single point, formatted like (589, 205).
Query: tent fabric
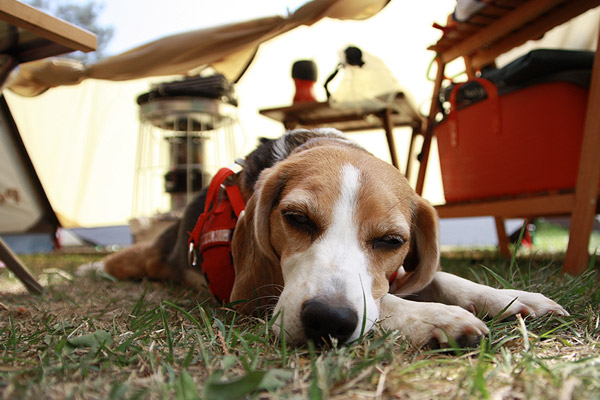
(24, 206)
(228, 49)
(19, 209)
(82, 141)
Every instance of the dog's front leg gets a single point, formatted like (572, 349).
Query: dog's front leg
(420, 323)
(484, 300)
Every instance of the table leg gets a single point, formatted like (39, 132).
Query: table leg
(386, 117)
(502, 237)
(12, 263)
(411, 146)
(588, 176)
(428, 134)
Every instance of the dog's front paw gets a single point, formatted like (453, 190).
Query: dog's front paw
(90, 268)
(521, 302)
(490, 302)
(427, 323)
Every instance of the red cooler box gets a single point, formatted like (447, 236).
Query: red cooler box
(525, 141)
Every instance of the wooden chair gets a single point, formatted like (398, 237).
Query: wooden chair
(495, 29)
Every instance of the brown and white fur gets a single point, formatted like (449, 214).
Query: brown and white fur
(325, 227)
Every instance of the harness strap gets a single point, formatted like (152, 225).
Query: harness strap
(209, 245)
(236, 199)
(212, 197)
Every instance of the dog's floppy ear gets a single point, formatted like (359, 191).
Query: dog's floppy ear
(267, 194)
(422, 260)
(257, 269)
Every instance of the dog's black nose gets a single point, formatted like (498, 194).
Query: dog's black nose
(322, 320)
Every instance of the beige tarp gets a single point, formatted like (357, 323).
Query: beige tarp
(227, 48)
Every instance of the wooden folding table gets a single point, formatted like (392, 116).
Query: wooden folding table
(401, 113)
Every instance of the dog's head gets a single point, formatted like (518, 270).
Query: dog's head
(332, 224)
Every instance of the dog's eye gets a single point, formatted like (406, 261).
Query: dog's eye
(296, 218)
(388, 242)
(300, 221)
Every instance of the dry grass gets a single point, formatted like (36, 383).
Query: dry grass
(92, 337)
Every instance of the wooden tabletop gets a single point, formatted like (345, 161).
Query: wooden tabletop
(30, 34)
(320, 114)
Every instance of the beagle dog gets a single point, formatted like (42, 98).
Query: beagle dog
(334, 241)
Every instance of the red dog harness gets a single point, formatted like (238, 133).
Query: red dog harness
(210, 241)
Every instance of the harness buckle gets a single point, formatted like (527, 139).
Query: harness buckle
(237, 166)
(192, 255)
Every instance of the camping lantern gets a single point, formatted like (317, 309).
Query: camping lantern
(184, 138)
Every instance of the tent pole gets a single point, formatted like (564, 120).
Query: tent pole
(18, 268)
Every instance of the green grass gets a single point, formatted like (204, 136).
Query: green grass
(92, 337)
(553, 238)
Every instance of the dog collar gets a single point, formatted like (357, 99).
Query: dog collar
(393, 276)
